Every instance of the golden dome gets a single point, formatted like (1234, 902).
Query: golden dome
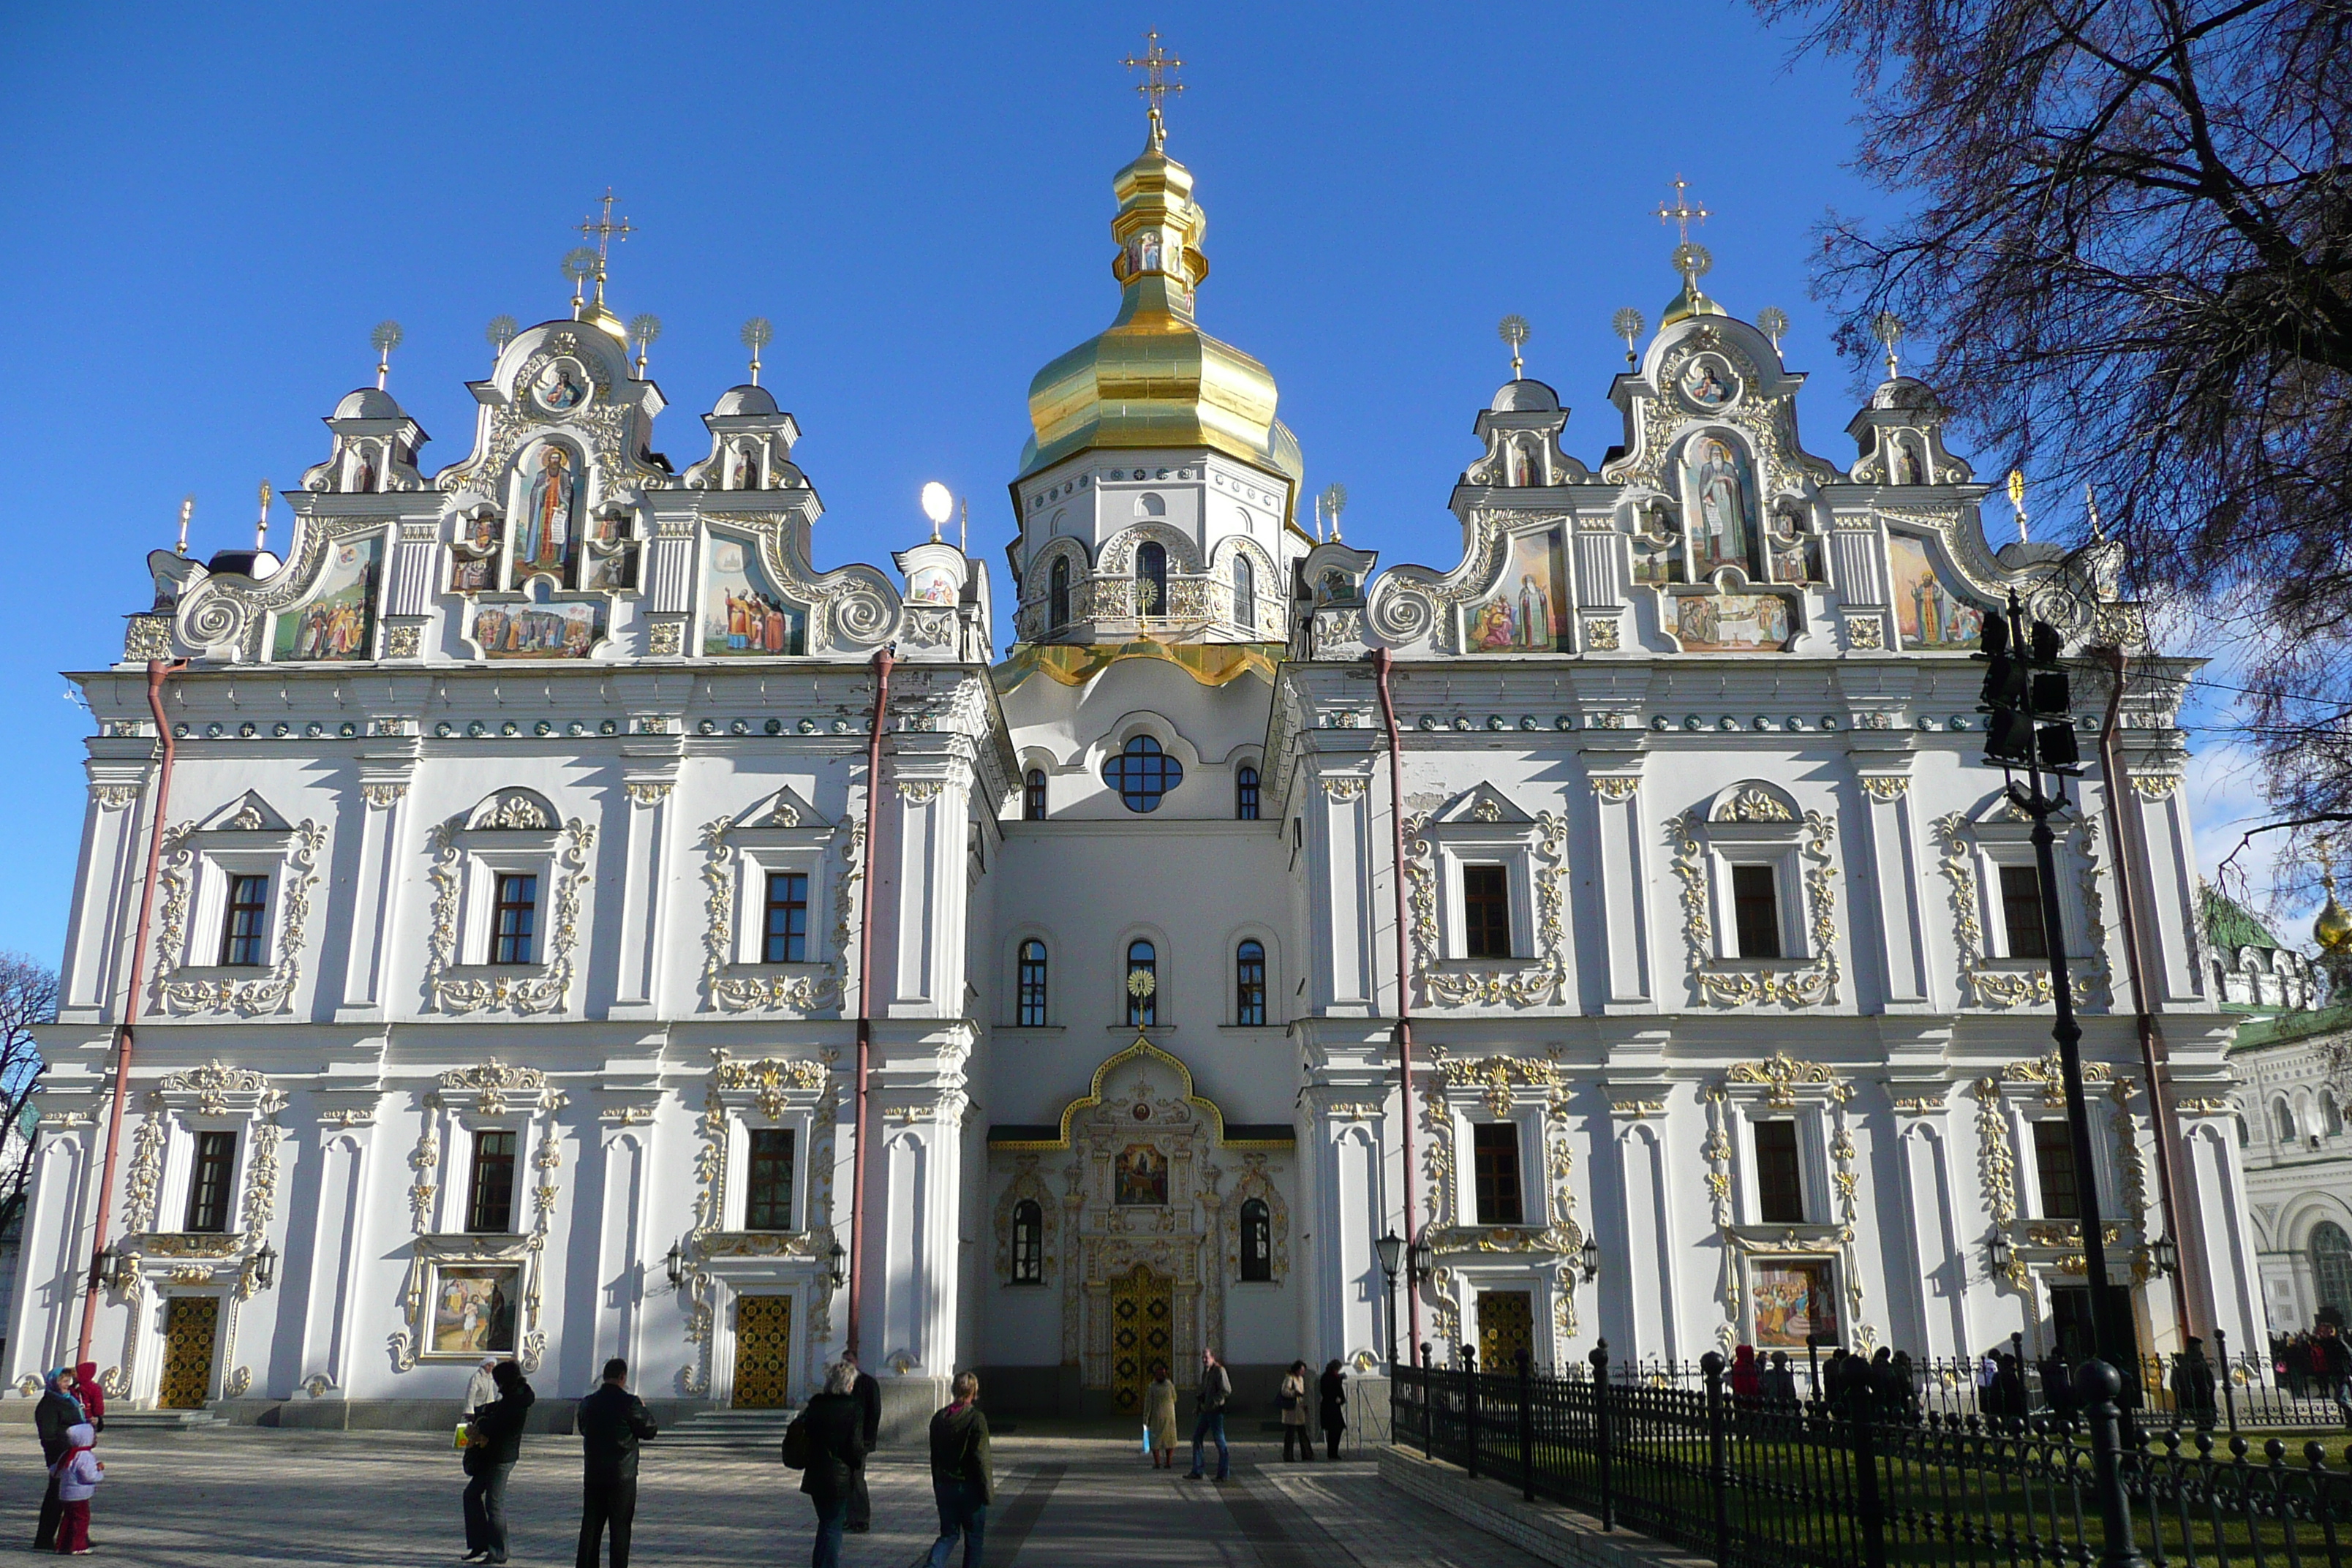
(2333, 929)
(1153, 378)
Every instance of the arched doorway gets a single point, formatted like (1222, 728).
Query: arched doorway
(1142, 1317)
(2331, 1268)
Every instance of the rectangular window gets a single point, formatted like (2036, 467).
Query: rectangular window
(513, 920)
(208, 1181)
(245, 933)
(1033, 985)
(2020, 911)
(784, 938)
(1756, 908)
(1495, 1153)
(1485, 912)
(1779, 1179)
(768, 1193)
(1249, 984)
(1028, 1242)
(490, 1207)
(2053, 1160)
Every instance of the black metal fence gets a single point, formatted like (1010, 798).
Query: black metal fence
(1856, 1480)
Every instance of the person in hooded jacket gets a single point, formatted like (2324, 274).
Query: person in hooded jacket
(58, 1413)
(963, 1480)
(76, 1477)
(496, 1443)
(834, 1426)
(92, 1395)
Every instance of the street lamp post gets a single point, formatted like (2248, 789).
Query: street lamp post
(1391, 1248)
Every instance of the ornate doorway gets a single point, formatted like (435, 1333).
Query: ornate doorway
(189, 1327)
(1141, 1334)
(1506, 1327)
(763, 1358)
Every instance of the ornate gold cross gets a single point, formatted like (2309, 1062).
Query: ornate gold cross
(1155, 63)
(1682, 213)
(604, 229)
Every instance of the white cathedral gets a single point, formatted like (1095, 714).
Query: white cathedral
(579, 927)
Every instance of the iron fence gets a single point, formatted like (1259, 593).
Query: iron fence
(1856, 1480)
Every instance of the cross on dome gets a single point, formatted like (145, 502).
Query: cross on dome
(1155, 63)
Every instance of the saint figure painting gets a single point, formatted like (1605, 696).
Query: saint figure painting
(1929, 614)
(742, 614)
(1139, 1177)
(1720, 499)
(337, 623)
(544, 532)
(1524, 613)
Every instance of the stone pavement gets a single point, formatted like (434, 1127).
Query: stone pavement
(243, 1495)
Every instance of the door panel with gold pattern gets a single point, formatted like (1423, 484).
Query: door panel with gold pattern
(189, 1325)
(763, 1365)
(1141, 1336)
(1506, 1327)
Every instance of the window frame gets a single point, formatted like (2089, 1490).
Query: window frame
(524, 954)
(1250, 993)
(475, 1162)
(1141, 1012)
(1026, 1015)
(1256, 1244)
(1033, 795)
(213, 1151)
(2050, 1136)
(751, 1164)
(1145, 749)
(1494, 889)
(770, 904)
(1245, 792)
(1245, 590)
(1765, 1188)
(1772, 927)
(1482, 1134)
(232, 907)
(2008, 902)
(1057, 595)
(1151, 568)
(1028, 1264)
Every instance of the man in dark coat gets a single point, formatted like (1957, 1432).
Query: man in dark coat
(612, 1421)
(834, 1430)
(58, 1412)
(495, 1444)
(963, 1480)
(868, 1394)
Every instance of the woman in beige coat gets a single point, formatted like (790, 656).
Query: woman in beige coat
(1294, 1412)
(1159, 1417)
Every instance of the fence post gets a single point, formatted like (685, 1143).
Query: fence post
(1718, 1461)
(1467, 1354)
(1601, 1430)
(2229, 1394)
(1527, 1428)
(2096, 1388)
(1856, 1403)
(1428, 1408)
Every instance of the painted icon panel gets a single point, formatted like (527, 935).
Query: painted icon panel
(1526, 613)
(1794, 1300)
(473, 1308)
(1139, 1177)
(742, 615)
(1719, 505)
(340, 622)
(1929, 613)
(1732, 623)
(539, 631)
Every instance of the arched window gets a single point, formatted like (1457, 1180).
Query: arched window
(2245, 1135)
(2331, 1115)
(1057, 595)
(1142, 985)
(1151, 580)
(1249, 982)
(2331, 1267)
(1257, 1241)
(1031, 986)
(1033, 795)
(1245, 592)
(1028, 1242)
(2283, 1120)
(1245, 792)
(1142, 773)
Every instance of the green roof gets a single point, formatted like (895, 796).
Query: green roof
(2229, 925)
(2284, 1028)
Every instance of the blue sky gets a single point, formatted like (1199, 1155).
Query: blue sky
(211, 206)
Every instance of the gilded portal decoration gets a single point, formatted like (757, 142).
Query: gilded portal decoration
(1547, 1249)
(453, 985)
(1775, 1273)
(2005, 982)
(764, 1351)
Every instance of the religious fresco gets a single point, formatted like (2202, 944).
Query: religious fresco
(931, 585)
(560, 385)
(1708, 383)
(546, 524)
(1526, 612)
(1796, 558)
(1794, 1301)
(1928, 612)
(742, 615)
(474, 556)
(539, 631)
(340, 622)
(1139, 1177)
(1732, 623)
(1719, 505)
(608, 556)
(473, 1308)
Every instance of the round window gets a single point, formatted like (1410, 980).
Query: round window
(1142, 773)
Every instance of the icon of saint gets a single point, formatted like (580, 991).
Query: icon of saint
(1722, 503)
(545, 530)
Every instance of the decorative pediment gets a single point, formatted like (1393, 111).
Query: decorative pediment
(249, 813)
(495, 1085)
(1481, 805)
(513, 809)
(1753, 800)
(785, 808)
(1153, 1064)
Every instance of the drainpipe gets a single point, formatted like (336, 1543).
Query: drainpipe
(1380, 663)
(882, 662)
(158, 671)
(2154, 1059)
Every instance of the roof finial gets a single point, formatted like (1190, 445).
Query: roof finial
(964, 524)
(1773, 322)
(938, 502)
(2090, 510)
(1330, 504)
(187, 509)
(500, 333)
(387, 338)
(261, 526)
(1682, 214)
(1513, 330)
(2017, 499)
(643, 331)
(1690, 259)
(579, 265)
(758, 333)
(605, 230)
(1627, 324)
(1887, 328)
(1155, 63)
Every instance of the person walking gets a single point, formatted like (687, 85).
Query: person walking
(830, 1438)
(868, 1394)
(2192, 1385)
(1334, 1390)
(481, 1389)
(964, 1481)
(58, 1413)
(1209, 1403)
(612, 1422)
(1293, 1400)
(1159, 1417)
(494, 1442)
(76, 1476)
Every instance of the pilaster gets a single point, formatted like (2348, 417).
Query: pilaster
(650, 783)
(372, 915)
(1892, 846)
(1617, 901)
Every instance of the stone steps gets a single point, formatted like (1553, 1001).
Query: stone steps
(160, 1420)
(744, 1429)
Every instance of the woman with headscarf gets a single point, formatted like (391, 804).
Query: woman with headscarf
(58, 1413)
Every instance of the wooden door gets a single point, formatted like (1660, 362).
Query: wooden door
(1506, 1327)
(764, 1351)
(1142, 1312)
(190, 1323)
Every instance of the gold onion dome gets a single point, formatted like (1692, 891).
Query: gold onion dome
(2333, 929)
(1154, 379)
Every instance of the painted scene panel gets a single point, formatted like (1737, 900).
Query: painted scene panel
(473, 1308)
(1929, 613)
(1792, 1301)
(1139, 1177)
(1732, 623)
(1526, 612)
(539, 631)
(340, 622)
(742, 617)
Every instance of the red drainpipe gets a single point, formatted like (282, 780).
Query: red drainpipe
(2152, 1055)
(882, 662)
(158, 671)
(1380, 662)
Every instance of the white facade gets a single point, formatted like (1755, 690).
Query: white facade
(1709, 672)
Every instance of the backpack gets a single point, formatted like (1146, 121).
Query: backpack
(796, 1443)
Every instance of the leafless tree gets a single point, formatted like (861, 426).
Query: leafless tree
(28, 995)
(2127, 231)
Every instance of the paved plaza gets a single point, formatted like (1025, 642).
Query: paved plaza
(243, 1495)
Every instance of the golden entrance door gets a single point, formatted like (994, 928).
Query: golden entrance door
(1142, 1311)
(1506, 1327)
(189, 1325)
(764, 1351)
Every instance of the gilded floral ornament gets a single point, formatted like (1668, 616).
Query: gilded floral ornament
(1483, 985)
(545, 987)
(223, 991)
(1780, 1074)
(1732, 982)
(2003, 983)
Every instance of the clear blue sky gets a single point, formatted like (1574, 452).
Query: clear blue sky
(210, 206)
